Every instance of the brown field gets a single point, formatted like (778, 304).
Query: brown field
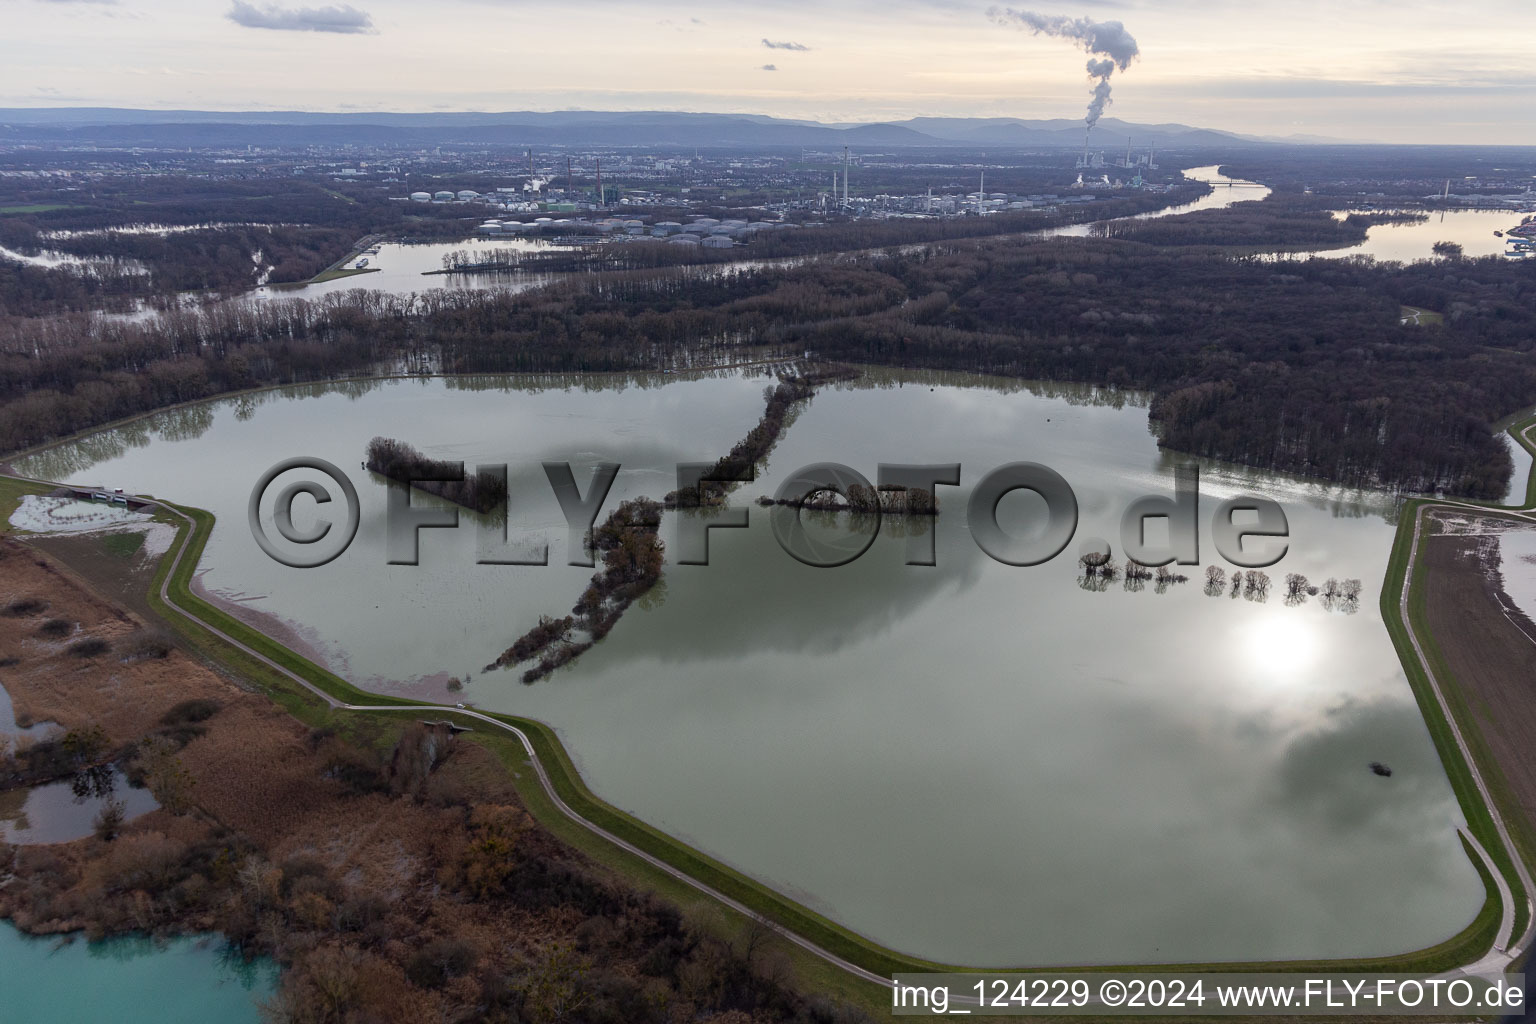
(1491, 655)
(50, 684)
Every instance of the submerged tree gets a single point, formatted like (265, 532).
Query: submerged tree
(1256, 585)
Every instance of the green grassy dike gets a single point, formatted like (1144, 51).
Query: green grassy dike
(1466, 945)
(1479, 820)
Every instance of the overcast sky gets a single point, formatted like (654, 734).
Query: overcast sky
(1401, 71)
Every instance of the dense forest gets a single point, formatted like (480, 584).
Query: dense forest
(1301, 366)
(1280, 221)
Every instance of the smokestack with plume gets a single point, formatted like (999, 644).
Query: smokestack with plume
(1107, 39)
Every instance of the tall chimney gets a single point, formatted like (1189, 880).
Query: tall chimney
(599, 181)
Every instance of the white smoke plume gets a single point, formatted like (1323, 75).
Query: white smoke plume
(1106, 38)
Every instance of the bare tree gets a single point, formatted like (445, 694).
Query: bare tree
(109, 820)
(1256, 585)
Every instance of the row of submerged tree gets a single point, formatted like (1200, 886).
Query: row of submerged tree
(737, 466)
(633, 553)
(1097, 570)
(632, 561)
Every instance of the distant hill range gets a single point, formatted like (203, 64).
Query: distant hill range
(118, 126)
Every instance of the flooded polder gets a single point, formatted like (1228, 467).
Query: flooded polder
(970, 761)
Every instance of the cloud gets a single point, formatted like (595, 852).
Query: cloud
(99, 3)
(344, 19)
(785, 45)
(769, 67)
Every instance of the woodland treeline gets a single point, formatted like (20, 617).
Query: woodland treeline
(1301, 366)
(1277, 222)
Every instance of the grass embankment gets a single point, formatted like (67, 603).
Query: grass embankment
(38, 208)
(304, 705)
(1415, 316)
(1479, 819)
(761, 899)
(335, 273)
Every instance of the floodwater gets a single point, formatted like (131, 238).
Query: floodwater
(1514, 494)
(11, 729)
(970, 761)
(55, 813)
(1517, 568)
(402, 268)
(1406, 242)
(53, 259)
(1473, 230)
(128, 980)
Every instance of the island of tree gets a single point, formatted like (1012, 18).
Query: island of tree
(632, 551)
(483, 492)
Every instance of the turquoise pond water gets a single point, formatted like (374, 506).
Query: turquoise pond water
(130, 980)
